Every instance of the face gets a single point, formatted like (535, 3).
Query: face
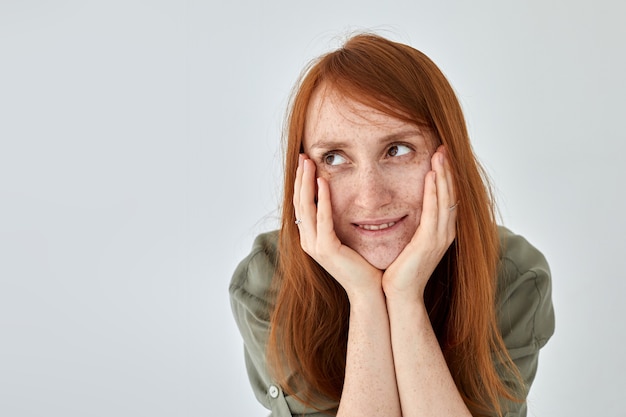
(375, 165)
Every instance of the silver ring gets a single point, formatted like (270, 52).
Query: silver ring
(454, 206)
(298, 221)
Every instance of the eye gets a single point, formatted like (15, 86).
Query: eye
(332, 158)
(398, 150)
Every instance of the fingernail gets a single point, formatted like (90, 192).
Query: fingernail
(441, 158)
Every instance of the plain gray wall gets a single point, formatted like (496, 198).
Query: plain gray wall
(139, 156)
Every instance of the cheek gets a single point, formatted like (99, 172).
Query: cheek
(410, 185)
(413, 198)
(340, 193)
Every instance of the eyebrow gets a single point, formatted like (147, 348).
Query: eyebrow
(392, 137)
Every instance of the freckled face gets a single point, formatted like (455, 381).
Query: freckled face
(375, 165)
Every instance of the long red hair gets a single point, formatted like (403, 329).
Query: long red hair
(309, 322)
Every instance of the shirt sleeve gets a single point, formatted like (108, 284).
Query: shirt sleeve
(525, 310)
(250, 302)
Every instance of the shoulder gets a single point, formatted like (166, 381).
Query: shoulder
(520, 255)
(251, 281)
(525, 311)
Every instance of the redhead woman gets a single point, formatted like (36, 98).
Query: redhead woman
(389, 289)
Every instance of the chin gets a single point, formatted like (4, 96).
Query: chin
(381, 260)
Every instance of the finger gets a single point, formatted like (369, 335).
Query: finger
(307, 208)
(428, 219)
(325, 228)
(449, 176)
(446, 195)
(442, 190)
(297, 185)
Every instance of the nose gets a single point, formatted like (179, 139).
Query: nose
(372, 188)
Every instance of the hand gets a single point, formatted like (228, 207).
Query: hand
(318, 238)
(408, 275)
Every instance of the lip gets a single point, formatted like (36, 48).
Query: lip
(377, 225)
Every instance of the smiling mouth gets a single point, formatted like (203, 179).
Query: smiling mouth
(376, 226)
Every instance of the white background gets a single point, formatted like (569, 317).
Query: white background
(139, 156)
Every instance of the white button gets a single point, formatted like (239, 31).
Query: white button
(273, 391)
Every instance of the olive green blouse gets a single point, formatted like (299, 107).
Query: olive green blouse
(525, 315)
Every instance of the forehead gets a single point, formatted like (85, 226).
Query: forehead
(331, 112)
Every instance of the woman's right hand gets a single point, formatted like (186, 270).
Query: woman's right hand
(318, 238)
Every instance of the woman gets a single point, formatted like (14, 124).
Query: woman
(389, 289)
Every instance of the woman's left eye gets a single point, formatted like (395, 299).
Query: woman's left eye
(398, 150)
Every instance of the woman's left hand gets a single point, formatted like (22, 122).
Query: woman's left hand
(408, 275)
